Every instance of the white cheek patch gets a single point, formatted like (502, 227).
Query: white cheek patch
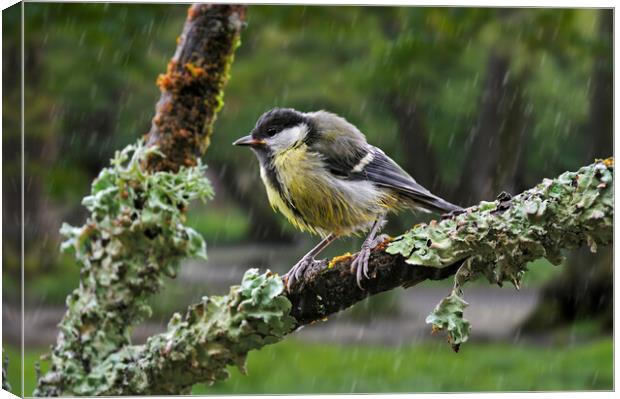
(288, 138)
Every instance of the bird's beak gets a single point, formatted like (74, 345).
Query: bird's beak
(249, 140)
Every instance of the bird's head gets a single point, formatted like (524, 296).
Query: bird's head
(278, 130)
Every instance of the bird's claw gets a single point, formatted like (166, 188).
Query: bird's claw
(359, 266)
(297, 271)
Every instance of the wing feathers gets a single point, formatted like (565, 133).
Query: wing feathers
(383, 171)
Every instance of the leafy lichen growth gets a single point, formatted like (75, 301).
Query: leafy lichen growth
(134, 235)
(448, 316)
(215, 333)
(497, 239)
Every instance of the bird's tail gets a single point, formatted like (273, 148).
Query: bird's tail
(430, 202)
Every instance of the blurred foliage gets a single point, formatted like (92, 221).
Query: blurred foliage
(11, 144)
(92, 68)
(209, 223)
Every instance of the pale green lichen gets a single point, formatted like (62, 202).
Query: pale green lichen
(134, 235)
(448, 316)
(215, 333)
(498, 239)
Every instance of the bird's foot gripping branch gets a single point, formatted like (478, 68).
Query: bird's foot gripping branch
(498, 239)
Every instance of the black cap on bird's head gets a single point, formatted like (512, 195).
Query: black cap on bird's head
(271, 123)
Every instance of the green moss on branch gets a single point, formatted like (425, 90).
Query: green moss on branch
(498, 239)
(565, 212)
(136, 235)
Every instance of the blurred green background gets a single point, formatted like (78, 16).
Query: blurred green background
(471, 101)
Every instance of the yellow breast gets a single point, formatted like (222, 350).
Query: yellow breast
(279, 204)
(323, 206)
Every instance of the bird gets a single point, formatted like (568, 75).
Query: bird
(320, 172)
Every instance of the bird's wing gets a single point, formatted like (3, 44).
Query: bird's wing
(373, 165)
(342, 146)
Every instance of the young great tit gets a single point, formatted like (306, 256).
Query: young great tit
(320, 172)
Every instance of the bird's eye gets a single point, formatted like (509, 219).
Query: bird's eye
(272, 130)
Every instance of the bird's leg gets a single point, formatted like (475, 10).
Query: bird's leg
(360, 263)
(298, 270)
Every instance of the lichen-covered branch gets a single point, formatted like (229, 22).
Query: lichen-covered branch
(215, 333)
(192, 88)
(131, 207)
(494, 239)
(135, 235)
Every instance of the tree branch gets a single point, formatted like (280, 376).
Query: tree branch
(215, 333)
(192, 88)
(494, 239)
(325, 290)
(136, 235)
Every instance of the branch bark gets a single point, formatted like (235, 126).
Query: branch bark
(325, 289)
(192, 87)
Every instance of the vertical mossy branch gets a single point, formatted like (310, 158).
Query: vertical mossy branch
(192, 87)
(136, 234)
(134, 237)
